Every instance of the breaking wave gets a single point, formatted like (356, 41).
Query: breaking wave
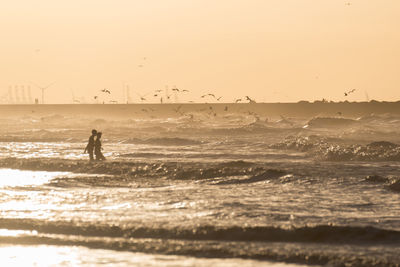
(331, 122)
(334, 150)
(236, 171)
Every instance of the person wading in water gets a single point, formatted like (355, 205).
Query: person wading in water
(98, 148)
(90, 146)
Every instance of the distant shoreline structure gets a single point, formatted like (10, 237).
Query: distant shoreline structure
(299, 109)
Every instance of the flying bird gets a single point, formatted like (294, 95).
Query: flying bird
(349, 92)
(185, 91)
(249, 99)
(142, 97)
(219, 98)
(106, 91)
(238, 100)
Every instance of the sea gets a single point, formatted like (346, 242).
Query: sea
(201, 189)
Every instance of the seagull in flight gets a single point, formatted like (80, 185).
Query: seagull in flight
(349, 92)
(249, 99)
(106, 91)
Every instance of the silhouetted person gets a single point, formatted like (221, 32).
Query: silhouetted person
(90, 146)
(98, 148)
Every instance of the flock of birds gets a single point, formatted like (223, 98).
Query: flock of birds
(159, 93)
(211, 96)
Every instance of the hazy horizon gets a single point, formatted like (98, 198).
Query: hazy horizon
(273, 51)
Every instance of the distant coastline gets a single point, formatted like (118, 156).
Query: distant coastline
(299, 109)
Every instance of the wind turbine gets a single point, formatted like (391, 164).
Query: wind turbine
(43, 88)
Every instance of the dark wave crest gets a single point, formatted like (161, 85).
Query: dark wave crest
(315, 234)
(123, 171)
(333, 150)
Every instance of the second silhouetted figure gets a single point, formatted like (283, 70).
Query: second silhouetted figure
(91, 144)
(98, 148)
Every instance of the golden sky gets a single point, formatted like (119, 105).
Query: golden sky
(271, 50)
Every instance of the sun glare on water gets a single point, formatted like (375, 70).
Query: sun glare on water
(14, 178)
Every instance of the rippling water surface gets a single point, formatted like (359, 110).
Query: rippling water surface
(231, 190)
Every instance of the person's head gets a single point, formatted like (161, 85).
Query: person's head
(98, 135)
(94, 132)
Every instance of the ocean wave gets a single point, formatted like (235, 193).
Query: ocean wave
(395, 186)
(312, 234)
(335, 150)
(127, 169)
(164, 141)
(327, 122)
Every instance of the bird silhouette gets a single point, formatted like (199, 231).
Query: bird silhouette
(106, 91)
(238, 100)
(219, 98)
(349, 92)
(185, 91)
(249, 99)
